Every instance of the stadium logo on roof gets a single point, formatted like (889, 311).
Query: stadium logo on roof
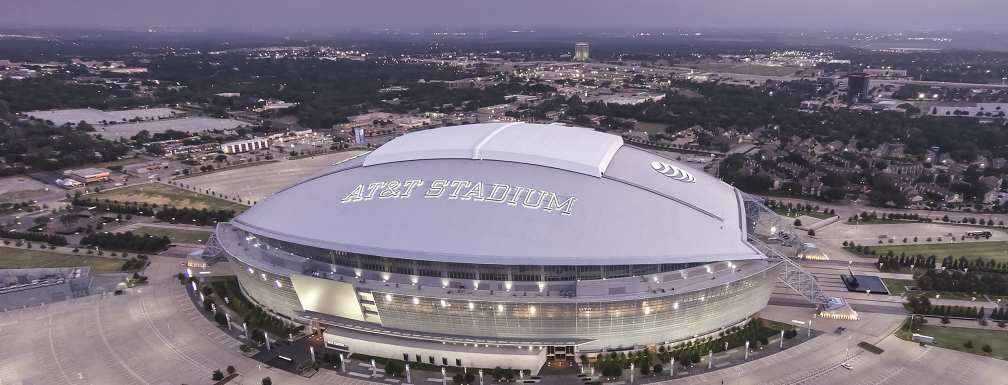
(673, 172)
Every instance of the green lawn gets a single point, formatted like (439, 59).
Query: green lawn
(897, 286)
(19, 258)
(988, 250)
(196, 237)
(160, 194)
(955, 338)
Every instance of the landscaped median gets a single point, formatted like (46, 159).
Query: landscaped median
(194, 236)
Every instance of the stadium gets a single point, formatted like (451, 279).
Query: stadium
(504, 244)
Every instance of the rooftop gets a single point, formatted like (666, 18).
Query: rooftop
(574, 149)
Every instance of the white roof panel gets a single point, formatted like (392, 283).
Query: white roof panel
(573, 149)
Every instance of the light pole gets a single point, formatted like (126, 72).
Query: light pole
(266, 338)
(409, 378)
(710, 359)
(227, 316)
(311, 352)
(746, 351)
(342, 362)
(245, 326)
(781, 340)
(481, 376)
(810, 328)
(444, 377)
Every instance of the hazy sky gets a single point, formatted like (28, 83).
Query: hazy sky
(566, 14)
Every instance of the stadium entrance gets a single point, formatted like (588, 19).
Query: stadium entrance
(560, 356)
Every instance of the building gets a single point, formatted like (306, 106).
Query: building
(858, 87)
(88, 175)
(581, 51)
(523, 243)
(886, 73)
(246, 145)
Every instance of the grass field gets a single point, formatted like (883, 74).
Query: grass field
(955, 338)
(16, 258)
(897, 286)
(988, 250)
(196, 237)
(160, 194)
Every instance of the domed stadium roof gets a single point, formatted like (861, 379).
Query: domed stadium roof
(511, 193)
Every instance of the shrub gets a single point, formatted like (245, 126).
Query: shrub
(394, 368)
(789, 334)
(986, 348)
(217, 375)
(968, 344)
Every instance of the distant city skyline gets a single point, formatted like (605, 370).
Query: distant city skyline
(322, 15)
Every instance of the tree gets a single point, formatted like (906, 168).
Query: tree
(811, 232)
(231, 369)
(266, 381)
(394, 368)
(217, 375)
(220, 318)
(657, 369)
(791, 333)
(797, 222)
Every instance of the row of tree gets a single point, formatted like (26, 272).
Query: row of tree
(891, 262)
(647, 361)
(127, 241)
(202, 217)
(52, 239)
(873, 216)
(967, 282)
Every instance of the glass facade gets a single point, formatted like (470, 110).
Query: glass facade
(487, 272)
(627, 319)
(611, 323)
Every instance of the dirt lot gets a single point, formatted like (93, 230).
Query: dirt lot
(257, 182)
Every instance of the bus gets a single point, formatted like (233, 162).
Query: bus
(979, 234)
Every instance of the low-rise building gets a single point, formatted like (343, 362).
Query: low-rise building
(88, 175)
(245, 145)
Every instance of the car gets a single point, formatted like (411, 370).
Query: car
(847, 366)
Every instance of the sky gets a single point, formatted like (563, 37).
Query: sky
(336, 15)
